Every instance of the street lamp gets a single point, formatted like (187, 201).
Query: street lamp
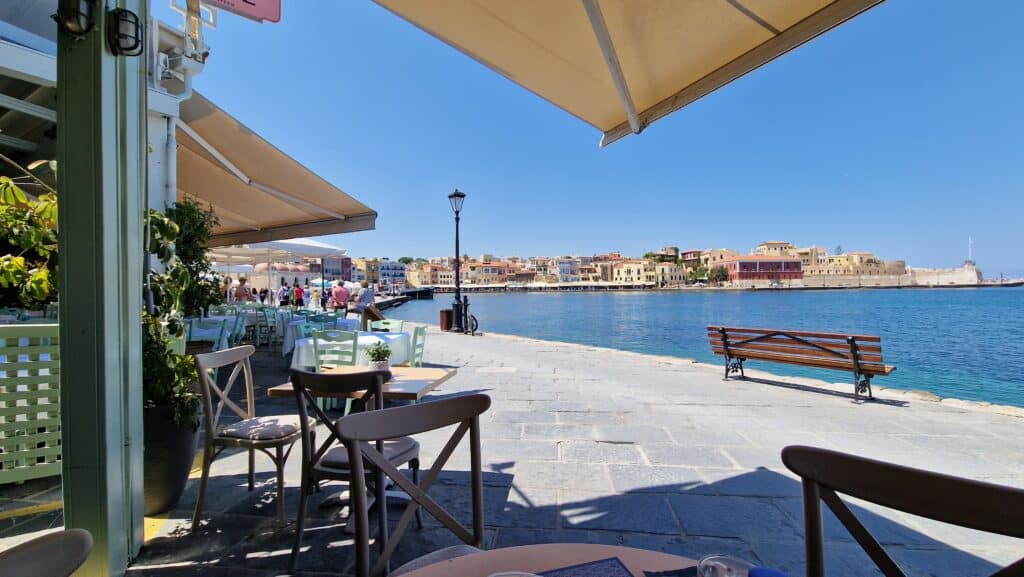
(457, 198)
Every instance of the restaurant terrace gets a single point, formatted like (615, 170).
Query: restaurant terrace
(332, 440)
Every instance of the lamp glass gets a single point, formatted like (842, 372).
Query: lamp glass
(456, 198)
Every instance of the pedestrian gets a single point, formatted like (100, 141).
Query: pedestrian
(339, 298)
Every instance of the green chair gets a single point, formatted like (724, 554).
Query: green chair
(237, 329)
(207, 330)
(52, 310)
(333, 349)
(269, 326)
(387, 325)
(419, 337)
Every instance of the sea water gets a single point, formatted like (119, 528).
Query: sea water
(961, 343)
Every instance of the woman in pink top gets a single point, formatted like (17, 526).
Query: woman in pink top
(340, 296)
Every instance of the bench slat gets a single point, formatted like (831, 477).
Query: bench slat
(847, 365)
(832, 345)
(797, 351)
(817, 335)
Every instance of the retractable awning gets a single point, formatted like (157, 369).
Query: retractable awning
(276, 250)
(620, 65)
(258, 192)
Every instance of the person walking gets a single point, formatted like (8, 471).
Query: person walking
(340, 297)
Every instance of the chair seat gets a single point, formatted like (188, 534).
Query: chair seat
(397, 451)
(264, 428)
(436, 557)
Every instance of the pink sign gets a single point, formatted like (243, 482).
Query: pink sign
(258, 10)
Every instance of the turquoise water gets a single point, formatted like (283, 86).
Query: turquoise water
(962, 343)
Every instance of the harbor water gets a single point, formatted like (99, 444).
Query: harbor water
(961, 343)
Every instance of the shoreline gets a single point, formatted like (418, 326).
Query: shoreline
(880, 391)
(635, 288)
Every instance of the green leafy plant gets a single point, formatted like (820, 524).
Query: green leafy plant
(195, 227)
(718, 274)
(28, 246)
(378, 351)
(168, 378)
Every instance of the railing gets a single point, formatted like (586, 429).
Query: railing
(29, 402)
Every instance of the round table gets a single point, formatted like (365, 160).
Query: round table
(303, 356)
(541, 558)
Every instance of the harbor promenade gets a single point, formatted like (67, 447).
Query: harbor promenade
(584, 444)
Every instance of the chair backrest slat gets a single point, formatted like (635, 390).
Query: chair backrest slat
(419, 338)
(389, 325)
(412, 419)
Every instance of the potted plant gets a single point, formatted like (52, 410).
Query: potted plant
(169, 375)
(170, 402)
(379, 353)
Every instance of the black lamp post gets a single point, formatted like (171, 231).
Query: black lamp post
(457, 198)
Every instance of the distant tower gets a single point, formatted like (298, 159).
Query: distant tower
(970, 252)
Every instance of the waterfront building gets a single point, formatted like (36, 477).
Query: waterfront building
(338, 268)
(759, 269)
(567, 269)
(369, 269)
(775, 248)
(690, 259)
(630, 272)
(446, 277)
(715, 256)
(609, 257)
(522, 277)
(392, 273)
(604, 270)
(667, 253)
(669, 274)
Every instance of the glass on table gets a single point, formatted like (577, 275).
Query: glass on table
(723, 566)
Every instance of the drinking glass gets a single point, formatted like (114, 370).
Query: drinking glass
(723, 566)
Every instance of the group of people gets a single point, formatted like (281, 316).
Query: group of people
(336, 298)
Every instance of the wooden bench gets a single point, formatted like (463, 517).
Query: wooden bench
(859, 354)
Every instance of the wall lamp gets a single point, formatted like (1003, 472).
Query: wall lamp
(125, 33)
(75, 17)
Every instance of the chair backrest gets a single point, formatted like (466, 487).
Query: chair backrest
(216, 398)
(358, 431)
(334, 348)
(239, 327)
(207, 330)
(389, 325)
(963, 502)
(419, 338)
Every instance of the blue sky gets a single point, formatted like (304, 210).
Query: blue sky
(899, 132)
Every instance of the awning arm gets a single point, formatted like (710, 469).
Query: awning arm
(604, 39)
(230, 166)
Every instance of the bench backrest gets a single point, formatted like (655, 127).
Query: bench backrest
(827, 350)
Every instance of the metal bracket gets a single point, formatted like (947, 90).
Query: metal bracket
(733, 366)
(862, 385)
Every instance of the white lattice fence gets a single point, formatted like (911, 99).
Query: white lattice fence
(29, 402)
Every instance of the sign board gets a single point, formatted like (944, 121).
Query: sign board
(258, 10)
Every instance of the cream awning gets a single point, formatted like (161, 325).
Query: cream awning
(620, 65)
(258, 192)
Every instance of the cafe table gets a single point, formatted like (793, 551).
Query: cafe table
(553, 556)
(293, 330)
(406, 384)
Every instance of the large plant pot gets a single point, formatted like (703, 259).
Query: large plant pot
(168, 455)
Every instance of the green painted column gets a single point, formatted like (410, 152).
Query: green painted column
(101, 136)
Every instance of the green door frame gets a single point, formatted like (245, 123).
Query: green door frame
(101, 152)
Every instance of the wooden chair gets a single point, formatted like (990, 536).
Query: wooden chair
(963, 502)
(388, 325)
(273, 435)
(53, 555)
(330, 460)
(419, 337)
(363, 435)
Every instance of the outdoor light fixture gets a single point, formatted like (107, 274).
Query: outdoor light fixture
(457, 198)
(125, 33)
(75, 17)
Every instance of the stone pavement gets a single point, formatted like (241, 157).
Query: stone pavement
(584, 444)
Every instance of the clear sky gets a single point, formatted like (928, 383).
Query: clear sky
(901, 132)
